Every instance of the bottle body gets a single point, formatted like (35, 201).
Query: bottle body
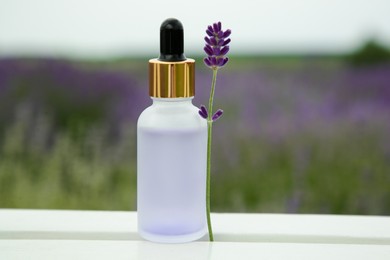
(171, 171)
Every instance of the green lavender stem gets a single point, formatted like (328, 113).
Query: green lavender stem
(209, 134)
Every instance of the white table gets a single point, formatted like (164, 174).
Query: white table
(66, 234)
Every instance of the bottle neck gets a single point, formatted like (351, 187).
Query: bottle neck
(172, 101)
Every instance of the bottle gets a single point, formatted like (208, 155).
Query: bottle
(171, 148)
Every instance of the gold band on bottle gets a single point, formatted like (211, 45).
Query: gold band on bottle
(171, 79)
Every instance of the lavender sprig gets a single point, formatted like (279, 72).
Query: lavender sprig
(216, 49)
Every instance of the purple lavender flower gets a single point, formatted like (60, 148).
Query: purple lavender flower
(216, 46)
(217, 115)
(203, 112)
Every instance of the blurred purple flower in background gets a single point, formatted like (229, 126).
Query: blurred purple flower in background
(300, 135)
(74, 96)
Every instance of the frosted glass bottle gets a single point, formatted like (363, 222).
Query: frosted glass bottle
(171, 171)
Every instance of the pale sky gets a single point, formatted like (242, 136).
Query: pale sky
(104, 28)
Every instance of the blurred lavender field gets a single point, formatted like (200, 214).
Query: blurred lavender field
(306, 135)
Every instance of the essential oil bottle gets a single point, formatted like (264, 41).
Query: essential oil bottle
(171, 148)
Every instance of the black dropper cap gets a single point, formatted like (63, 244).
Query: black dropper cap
(171, 41)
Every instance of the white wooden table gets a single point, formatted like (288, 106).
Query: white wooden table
(60, 234)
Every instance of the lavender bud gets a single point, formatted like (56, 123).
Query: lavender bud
(219, 26)
(225, 60)
(227, 33)
(207, 61)
(226, 42)
(220, 42)
(215, 27)
(224, 50)
(217, 115)
(207, 40)
(213, 61)
(203, 112)
(202, 115)
(216, 51)
(209, 33)
(208, 50)
(213, 41)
